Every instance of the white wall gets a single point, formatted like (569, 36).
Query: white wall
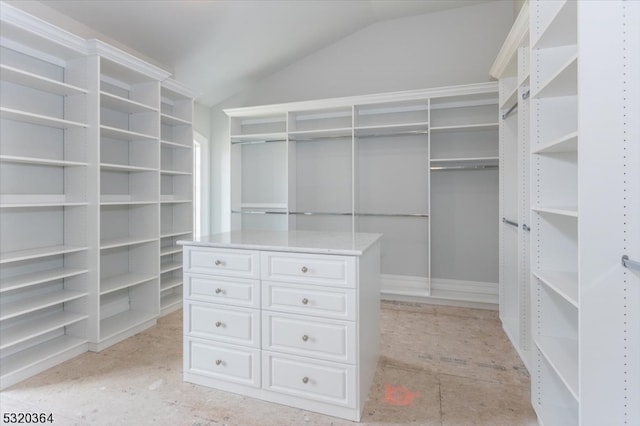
(446, 48)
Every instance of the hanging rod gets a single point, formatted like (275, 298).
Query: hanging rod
(631, 264)
(404, 133)
(510, 222)
(311, 139)
(393, 214)
(257, 212)
(509, 111)
(478, 167)
(526, 95)
(257, 142)
(322, 213)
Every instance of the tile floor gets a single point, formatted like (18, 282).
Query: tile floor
(439, 365)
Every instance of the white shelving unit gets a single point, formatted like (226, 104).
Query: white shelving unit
(585, 100)
(511, 68)
(375, 164)
(43, 197)
(176, 188)
(89, 195)
(126, 188)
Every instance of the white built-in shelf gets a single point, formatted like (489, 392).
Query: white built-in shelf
(35, 278)
(121, 104)
(175, 144)
(122, 134)
(122, 242)
(118, 282)
(114, 325)
(465, 127)
(562, 356)
(12, 201)
(565, 143)
(36, 303)
(175, 172)
(170, 266)
(511, 98)
(125, 168)
(570, 211)
(524, 80)
(35, 81)
(170, 299)
(41, 325)
(171, 199)
(170, 283)
(561, 28)
(42, 120)
(15, 159)
(259, 138)
(165, 251)
(392, 129)
(174, 233)
(564, 283)
(19, 255)
(174, 121)
(108, 200)
(476, 161)
(310, 135)
(36, 355)
(563, 83)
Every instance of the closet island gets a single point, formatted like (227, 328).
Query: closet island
(290, 317)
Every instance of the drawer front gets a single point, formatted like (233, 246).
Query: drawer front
(316, 380)
(225, 362)
(309, 300)
(230, 263)
(223, 324)
(328, 270)
(314, 337)
(228, 291)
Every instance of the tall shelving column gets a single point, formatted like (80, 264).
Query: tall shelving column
(511, 68)
(43, 196)
(176, 188)
(126, 194)
(584, 108)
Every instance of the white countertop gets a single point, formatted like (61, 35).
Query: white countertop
(345, 243)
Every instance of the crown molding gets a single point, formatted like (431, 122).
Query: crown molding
(100, 48)
(518, 37)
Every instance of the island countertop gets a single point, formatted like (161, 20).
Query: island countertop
(340, 243)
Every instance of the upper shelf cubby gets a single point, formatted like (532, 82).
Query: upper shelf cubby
(556, 24)
(334, 121)
(392, 114)
(259, 128)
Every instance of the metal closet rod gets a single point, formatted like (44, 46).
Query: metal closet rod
(331, 213)
(476, 167)
(512, 223)
(630, 264)
(311, 139)
(509, 111)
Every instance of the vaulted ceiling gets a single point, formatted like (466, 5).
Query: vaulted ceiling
(219, 48)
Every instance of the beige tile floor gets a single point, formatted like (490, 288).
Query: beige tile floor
(439, 366)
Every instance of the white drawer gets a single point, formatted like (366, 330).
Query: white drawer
(309, 269)
(307, 336)
(225, 262)
(223, 323)
(339, 303)
(225, 362)
(316, 380)
(228, 291)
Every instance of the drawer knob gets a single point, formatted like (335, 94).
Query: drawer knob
(304, 269)
(305, 338)
(305, 301)
(218, 361)
(218, 324)
(217, 262)
(218, 290)
(305, 380)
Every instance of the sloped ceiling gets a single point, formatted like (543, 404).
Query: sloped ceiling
(219, 48)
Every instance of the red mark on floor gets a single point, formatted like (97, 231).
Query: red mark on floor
(399, 395)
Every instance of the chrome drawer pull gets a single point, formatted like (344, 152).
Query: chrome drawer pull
(305, 338)
(218, 290)
(305, 301)
(218, 361)
(218, 324)
(217, 262)
(304, 270)
(305, 380)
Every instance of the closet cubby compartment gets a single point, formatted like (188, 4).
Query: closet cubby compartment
(259, 128)
(557, 183)
(313, 124)
(556, 335)
(122, 225)
(555, 24)
(464, 112)
(175, 218)
(471, 144)
(557, 74)
(175, 107)
(123, 185)
(392, 116)
(176, 161)
(558, 118)
(176, 132)
(128, 152)
(26, 273)
(176, 188)
(552, 400)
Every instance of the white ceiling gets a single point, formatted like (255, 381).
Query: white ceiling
(221, 47)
